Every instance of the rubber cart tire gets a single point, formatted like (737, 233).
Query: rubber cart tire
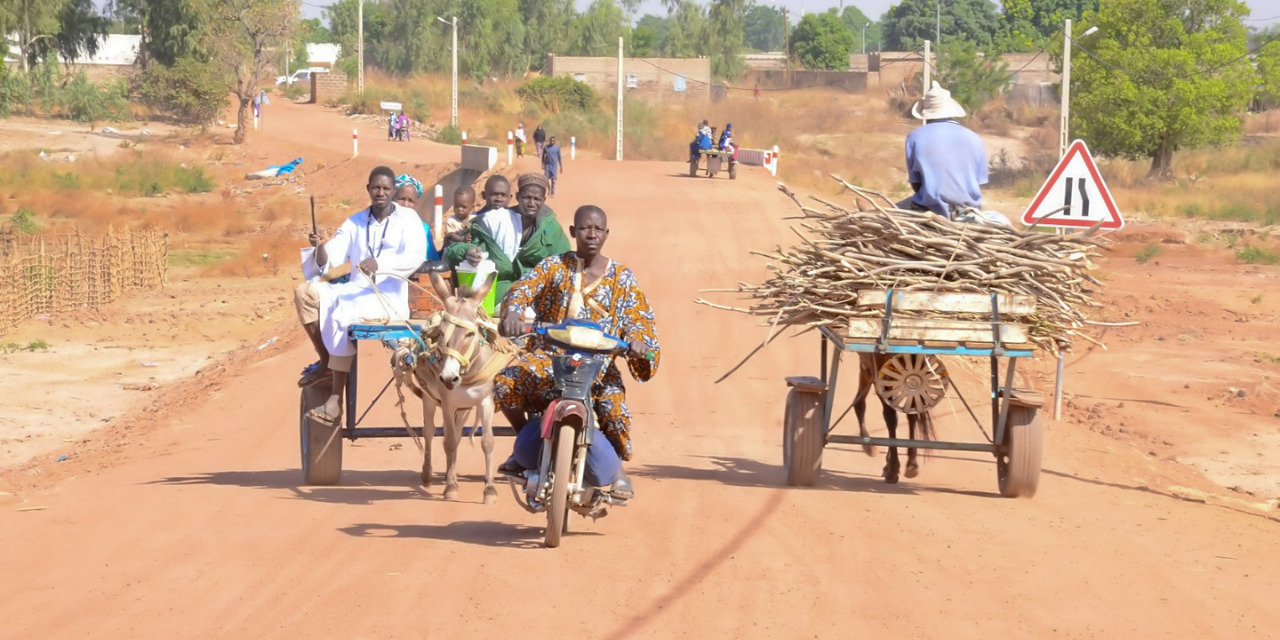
(803, 437)
(558, 507)
(733, 170)
(693, 168)
(1018, 468)
(321, 445)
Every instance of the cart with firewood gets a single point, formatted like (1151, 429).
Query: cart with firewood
(908, 291)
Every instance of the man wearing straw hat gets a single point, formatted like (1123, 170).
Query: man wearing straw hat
(946, 163)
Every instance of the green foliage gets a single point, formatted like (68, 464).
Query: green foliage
(1028, 24)
(15, 95)
(547, 28)
(7, 348)
(684, 30)
(1161, 75)
(190, 90)
(193, 180)
(854, 20)
(199, 258)
(173, 28)
(1257, 255)
(973, 79)
(24, 220)
(764, 28)
(821, 41)
(724, 35)
(561, 93)
(1268, 63)
(1147, 252)
(449, 134)
(596, 32)
(908, 24)
(84, 101)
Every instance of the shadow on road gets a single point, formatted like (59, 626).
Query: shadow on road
(357, 487)
(485, 533)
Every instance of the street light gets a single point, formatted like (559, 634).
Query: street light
(864, 38)
(453, 107)
(1064, 138)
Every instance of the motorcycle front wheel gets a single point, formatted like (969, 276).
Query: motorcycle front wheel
(558, 507)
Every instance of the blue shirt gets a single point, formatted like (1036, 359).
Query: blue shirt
(949, 163)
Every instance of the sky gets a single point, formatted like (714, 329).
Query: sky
(1264, 12)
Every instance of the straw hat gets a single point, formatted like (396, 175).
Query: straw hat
(937, 104)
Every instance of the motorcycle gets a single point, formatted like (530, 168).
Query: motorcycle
(568, 428)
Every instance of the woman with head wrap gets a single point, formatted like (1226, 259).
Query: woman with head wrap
(408, 191)
(515, 240)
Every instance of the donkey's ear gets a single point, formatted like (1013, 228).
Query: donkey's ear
(440, 285)
(483, 290)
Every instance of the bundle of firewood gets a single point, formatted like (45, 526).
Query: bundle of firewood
(875, 246)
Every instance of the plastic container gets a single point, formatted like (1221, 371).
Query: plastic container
(468, 275)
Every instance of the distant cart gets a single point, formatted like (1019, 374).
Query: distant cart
(912, 379)
(716, 159)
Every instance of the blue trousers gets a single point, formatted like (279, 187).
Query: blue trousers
(603, 463)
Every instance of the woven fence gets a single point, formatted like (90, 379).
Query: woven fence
(59, 273)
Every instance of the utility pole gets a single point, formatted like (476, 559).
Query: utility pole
(864, 38)
(453, 96)
(937, 30)
(786, 43)
(360, 47)
(926, 67)
(621, 80)
(1066, 88)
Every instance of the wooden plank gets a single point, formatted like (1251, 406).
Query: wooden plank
(947, 301)
(934, 329)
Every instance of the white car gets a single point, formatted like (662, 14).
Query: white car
(301, 75)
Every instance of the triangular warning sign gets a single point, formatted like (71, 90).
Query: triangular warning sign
(1074, 195)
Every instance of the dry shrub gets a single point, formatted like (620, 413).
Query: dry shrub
(1264, 123)
(280, 248)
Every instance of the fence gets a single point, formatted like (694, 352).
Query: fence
(52, 274)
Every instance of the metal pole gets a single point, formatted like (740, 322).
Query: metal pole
(937, 32)
(786, 43)
(618, 153)
(1066, 88)
(453, 104)
(1057, 387)
(360, 47)
(864, 38)
(926, 67)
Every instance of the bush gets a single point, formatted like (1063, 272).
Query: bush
(1147, 252)
(191, 91)
(84, 101)
(193, 180)
(448, 134)
(1257, 255)
(559, 94)
(24, 221)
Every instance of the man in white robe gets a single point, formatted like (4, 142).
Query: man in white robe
(383, 239)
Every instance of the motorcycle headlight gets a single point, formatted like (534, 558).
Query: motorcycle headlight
(584, 338)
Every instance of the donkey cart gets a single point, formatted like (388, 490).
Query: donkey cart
(715, 160)
(899, 352)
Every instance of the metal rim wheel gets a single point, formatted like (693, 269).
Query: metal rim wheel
(1018, 466)
(321, 445)
(912, 383)
(803, 438)
(558, 507)
(693, 168)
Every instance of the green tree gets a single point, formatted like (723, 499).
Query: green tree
(341, 16)
(596, 32)
(1161, 76)
(764, 28)
(36, 21)
(724, 35)
(684, 33)
(489, 37)
(241, 36)
(80, 29)
(411, 42)
(854, 20)
(972, 78)
(1268, 60)
(170, 29)
(191, 90)
(1028, 24)
(547, 25)
(907, 25)
(821, 41)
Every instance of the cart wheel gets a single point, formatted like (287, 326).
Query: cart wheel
(912, 383)
(693, 168)
(1018, 468)
(803, 437)
(733, 171)
(321, 444)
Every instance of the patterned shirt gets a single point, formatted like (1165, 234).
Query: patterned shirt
(615, 302)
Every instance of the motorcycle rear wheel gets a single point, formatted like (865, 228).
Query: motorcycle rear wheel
(558, 508)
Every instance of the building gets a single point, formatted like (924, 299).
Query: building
(116, 55)
(652, 77)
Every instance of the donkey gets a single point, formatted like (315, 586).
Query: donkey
(868, 365)
(457, 375)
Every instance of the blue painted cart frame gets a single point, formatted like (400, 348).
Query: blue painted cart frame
(1015, 442)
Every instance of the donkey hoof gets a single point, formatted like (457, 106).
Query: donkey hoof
(912, 471)
(890, 475)
(451, 494)
(869, 449)
(490, 495)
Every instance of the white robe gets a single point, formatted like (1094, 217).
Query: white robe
(506, 227)
(398, 244)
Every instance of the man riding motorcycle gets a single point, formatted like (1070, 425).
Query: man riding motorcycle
(585, 285)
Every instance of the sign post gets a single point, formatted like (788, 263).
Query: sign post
(1074, 196)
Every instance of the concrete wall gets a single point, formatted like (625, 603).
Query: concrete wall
(325, 86)
(1031, 68)
(653, 77)
(851, 81)
(895, 67)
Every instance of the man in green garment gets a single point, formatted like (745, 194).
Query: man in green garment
(516, 240)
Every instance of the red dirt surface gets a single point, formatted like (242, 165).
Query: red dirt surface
(187, 517)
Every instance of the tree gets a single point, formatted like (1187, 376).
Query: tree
(764, 28)
(972, 78)
(341, 16)
(240, 36)
(907, 25)
(1268, 60)
(821, 41)
(35, 21)
(78, 31)
(1160, 76)
(684, 35)
(170, 29)
(310, 31)
(854, 20)
(489, 37)
(724, 30)
(1028, 24)
(596, 32)
(411, 41)
(547, 25)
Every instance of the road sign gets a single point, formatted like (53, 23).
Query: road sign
(392, 106)
(1074, 195)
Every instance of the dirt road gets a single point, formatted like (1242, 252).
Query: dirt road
(201, 529)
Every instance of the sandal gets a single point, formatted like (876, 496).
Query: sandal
(312, 374)
(318, 414)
